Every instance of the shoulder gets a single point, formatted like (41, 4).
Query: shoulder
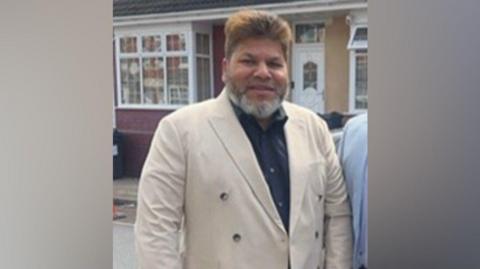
(358, 120)
(354, 139)
(314, 127)
(305, 115)
(301, 113)
(183, 122)
(191, 113)
(357, 124)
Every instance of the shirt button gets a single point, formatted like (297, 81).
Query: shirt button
(319, 198)
(237, 237)
(224, 196)
(272, 170)
(280, 204)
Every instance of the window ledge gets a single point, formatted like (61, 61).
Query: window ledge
(150, 107)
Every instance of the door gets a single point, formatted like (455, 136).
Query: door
(309, 77)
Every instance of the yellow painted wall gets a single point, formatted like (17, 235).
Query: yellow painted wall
(336, 65)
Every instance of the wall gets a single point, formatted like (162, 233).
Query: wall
(336, 65)
(218, 55)
(137, 127)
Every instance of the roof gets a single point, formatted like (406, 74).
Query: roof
(143, 7)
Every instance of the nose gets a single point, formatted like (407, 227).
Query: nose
(262, 71)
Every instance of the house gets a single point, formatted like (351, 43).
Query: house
(168, 54)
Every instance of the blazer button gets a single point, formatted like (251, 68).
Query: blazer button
(224, 196)
(237, 237)
(319, 198)
(316, 234)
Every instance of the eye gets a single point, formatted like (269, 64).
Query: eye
(275, 65)
(247, 61)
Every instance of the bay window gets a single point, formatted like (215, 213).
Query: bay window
(154, 70)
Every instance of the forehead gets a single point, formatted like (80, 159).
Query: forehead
(259, 47)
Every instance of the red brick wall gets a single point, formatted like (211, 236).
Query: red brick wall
(218, 55)
(137, 127)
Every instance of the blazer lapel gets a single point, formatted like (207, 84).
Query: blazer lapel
(297, 158)
(236, 143)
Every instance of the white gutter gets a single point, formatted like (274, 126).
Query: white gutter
(223, 13)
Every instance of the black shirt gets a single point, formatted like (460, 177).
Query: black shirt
(272, 155)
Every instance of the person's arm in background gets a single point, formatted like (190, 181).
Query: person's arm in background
(353, 155)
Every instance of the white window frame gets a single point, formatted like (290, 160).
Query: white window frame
(352, 86)
(353, 47)
(300, 22)
(163, 54)
(204, 56)
(188, 54)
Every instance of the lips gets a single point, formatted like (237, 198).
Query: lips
(261, 88)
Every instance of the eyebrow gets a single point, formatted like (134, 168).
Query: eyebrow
(274, 58)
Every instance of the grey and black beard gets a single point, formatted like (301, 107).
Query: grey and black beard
(261, 111)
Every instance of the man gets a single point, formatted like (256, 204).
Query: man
(353, 153)
(250, 181)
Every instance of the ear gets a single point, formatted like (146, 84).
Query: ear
(225, 64)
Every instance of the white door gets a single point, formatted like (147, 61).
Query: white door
(309, 77)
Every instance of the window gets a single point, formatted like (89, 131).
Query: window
(176, 42)
(358, 38)
(130, 82)
(177, 80)
(361, 79)
(128, 45)
(309, 33)
(153, 70)
(310, 76)
(202, 45)
(152, 43)
(358, 46)
(153, 81)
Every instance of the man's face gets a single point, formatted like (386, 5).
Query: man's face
(256, 76)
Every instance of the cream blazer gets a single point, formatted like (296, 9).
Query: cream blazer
(203, 202)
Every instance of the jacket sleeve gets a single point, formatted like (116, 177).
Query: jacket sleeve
(161, 201)
(338, 219)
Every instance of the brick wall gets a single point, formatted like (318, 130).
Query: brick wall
(137, 128)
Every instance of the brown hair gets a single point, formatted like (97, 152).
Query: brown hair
(246, 24)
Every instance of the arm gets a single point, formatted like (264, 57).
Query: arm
(341, 157)
(353, 151)
(338, 222)
(160, 201)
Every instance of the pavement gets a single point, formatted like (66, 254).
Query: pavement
(123, 246)
(124, 200)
